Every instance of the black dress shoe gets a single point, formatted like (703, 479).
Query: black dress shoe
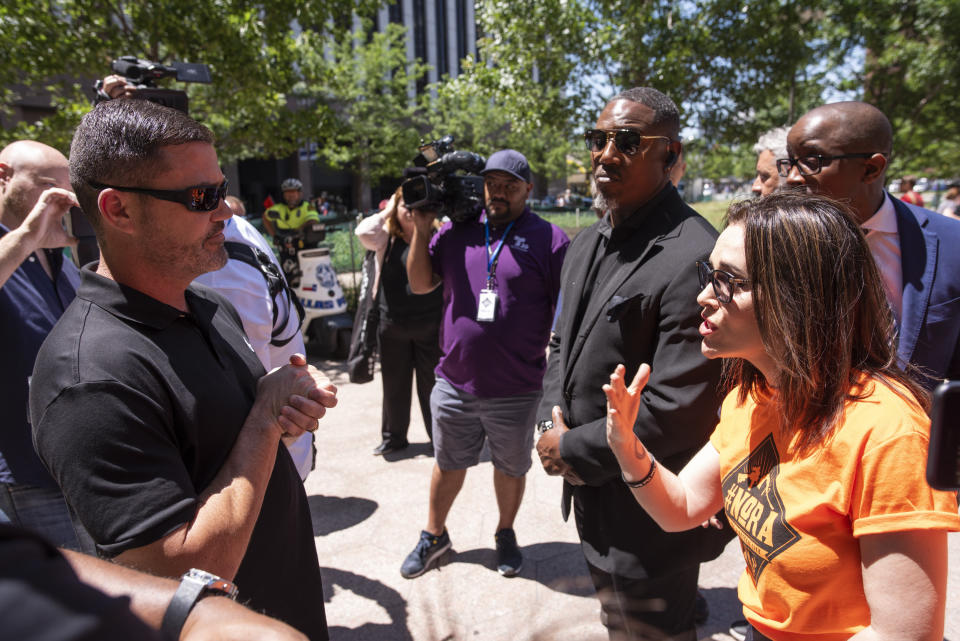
(386, 447)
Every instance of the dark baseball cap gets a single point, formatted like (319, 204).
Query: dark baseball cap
(510, 161)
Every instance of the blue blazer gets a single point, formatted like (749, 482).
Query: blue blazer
(930, 325)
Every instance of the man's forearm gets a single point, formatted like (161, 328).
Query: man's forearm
(214, 617)
(14, 249)
(216, 540)
(268, 226)
(149, 595)
(419, 268)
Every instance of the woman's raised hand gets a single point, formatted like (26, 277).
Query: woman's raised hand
(622, 405)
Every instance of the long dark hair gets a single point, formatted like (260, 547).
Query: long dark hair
(821, 309)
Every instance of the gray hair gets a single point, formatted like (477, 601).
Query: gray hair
(775, 140)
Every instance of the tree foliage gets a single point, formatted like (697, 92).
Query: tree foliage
(60, 47)
(911, 72)
(359, 87)
(738, 68)
(289, 72)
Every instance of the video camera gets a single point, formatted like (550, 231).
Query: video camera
(436, 181)
(143, 75)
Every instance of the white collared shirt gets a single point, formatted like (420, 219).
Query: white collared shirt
(884, 240)
(244, 286)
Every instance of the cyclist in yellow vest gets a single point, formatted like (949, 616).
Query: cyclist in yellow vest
(293, 213)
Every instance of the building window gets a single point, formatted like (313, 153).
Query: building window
(461, 33)
(442, 67)
(395, 12)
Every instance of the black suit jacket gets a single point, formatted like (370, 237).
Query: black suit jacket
(647, 312)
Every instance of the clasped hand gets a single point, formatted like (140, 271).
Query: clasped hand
(548, 449)
(296, 396)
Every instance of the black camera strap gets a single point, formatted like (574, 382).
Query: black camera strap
(276, 284)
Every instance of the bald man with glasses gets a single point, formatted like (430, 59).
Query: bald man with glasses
(842, 150)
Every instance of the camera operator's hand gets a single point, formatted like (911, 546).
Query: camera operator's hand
(419, 268)
(423, 220)
(115, 86)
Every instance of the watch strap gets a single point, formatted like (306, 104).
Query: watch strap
(194, 585)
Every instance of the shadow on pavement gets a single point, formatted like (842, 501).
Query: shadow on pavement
(388, 598)
(725, 608)
(558, 566)
(332, 513)
(414, 450)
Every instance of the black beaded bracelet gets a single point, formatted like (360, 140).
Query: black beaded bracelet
(646, 479)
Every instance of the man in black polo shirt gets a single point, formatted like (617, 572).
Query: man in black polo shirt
(149, 406)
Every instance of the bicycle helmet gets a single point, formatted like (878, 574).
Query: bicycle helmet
(291, 184)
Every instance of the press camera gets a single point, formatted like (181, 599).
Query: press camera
(143, 75)
(445, 180)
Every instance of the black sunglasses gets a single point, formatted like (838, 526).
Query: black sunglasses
(627, 141)
(811, 165)
(199, 198)
(723, 282)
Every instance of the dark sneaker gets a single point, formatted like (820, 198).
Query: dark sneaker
(738, 629)
(429, 548)
(509, 559)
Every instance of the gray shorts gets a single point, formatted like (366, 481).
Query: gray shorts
(462, 420)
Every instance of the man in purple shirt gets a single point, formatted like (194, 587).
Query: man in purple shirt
(500, 276)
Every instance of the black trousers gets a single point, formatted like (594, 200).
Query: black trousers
(753, 635)
(405, 348)
(653, 609)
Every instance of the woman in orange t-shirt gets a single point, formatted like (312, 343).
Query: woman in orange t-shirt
(819, 456)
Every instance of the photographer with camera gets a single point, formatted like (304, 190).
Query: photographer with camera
(408, 333)
(500, 274)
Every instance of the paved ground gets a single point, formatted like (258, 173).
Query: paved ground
(367, 515)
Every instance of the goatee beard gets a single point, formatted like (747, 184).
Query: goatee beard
(600, 202)
(493, 217)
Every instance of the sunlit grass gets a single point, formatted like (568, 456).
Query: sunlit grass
(572, 223)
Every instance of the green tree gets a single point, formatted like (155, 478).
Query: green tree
(58, 48)
(359, 86)
(525, 89)
(911, 72)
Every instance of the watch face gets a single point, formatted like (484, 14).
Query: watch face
(544, 425)
(213, 583)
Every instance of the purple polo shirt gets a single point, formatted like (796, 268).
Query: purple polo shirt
(507, 356)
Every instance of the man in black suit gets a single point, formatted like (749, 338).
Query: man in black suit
(629, 288)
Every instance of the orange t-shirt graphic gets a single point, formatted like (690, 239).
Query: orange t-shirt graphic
(798, 517)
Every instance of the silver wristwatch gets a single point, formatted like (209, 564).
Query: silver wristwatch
(194, 585)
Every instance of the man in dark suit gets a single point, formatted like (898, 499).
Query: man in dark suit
(628, 288)
(841, 150)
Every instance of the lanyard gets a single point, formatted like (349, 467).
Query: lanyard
(492, 258)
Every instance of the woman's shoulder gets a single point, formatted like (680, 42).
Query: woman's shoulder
(886, 409)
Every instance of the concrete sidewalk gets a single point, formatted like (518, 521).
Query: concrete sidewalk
(367, 515)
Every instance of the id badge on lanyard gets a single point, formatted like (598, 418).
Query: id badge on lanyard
(487, 301)
(487, 305)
